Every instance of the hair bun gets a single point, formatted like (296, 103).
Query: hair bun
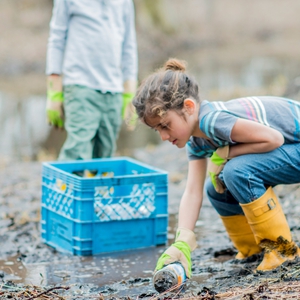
(175, 64)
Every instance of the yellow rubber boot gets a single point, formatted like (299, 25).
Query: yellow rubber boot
(271, 230)
(241, 235)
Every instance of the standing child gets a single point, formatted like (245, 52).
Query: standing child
(92, 72)
(253, 145)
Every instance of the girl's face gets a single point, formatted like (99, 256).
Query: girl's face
(172, 127)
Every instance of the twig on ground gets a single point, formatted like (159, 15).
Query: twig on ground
(49, 290)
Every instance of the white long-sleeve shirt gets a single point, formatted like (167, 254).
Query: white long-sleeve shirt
(93, 43)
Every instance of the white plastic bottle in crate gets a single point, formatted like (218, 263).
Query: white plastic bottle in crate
(171, 277)
(146, 209)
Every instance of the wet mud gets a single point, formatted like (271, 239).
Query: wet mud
(29, 269)
(281, 245)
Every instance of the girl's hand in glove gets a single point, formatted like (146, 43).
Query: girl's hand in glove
(217, 163)
(180, 251)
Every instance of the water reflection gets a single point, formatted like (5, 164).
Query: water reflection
(12, 269)
(25, 133)
(23, 126)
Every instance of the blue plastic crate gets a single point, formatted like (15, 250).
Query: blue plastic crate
(124, 206)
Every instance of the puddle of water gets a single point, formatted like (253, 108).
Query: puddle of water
(100, 270)
(131, 270)
(12, 269)
(120, 271)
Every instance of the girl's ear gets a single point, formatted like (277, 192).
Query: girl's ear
(189, 106)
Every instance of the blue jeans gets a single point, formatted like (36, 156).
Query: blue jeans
(247, 177)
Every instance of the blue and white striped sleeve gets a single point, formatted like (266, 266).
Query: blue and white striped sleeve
(218, 125)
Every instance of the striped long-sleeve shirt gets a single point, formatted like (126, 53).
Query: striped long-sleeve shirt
(216, 120)
(93, 43)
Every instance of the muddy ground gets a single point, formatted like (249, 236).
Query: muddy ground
(28, 267)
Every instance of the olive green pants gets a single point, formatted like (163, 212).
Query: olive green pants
(92, 122)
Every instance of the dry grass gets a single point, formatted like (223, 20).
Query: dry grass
(264, 290)
(30, 292)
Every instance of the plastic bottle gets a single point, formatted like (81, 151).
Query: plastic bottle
(171, 277)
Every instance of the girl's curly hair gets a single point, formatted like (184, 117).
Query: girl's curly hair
(165, 90)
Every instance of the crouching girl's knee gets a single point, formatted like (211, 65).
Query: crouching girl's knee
(232, 173)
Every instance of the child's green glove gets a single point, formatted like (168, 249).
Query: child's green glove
(180, 251)
(55, 99)
(54, 108)
(217, 163)
(128, 111)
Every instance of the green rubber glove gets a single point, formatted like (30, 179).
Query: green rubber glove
(128, 112)
(217, 163)
(55, 108)
(55, 99)
(180, 251)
